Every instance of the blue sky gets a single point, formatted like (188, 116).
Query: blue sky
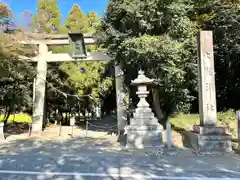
(18, 6)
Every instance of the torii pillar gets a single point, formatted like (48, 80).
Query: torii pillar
(120, 94)
(39, 90)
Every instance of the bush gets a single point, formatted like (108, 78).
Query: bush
(19, 118)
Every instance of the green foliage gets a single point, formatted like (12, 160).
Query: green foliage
(16, 78)
(159, 37)
(15, 74)
(48, 20)
(48, 17)
(76, 21)
(224, 20)
(226, 29)
(162, 58)
(93, 22)
(89, 82)
(135, 26)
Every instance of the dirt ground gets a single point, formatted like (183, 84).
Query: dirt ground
(65, 132)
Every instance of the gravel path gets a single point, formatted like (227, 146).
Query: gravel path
(99, 156)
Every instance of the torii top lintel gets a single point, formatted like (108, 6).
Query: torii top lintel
(54, 39)
(59, 40)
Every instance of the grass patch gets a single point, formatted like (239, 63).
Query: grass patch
(186, 121)
(19, 118)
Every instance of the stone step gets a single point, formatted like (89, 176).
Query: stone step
(215, 137)
(208, 143)
(217, 146)
(144, 128)
(209, 129)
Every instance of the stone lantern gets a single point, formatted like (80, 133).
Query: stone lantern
(144, 131)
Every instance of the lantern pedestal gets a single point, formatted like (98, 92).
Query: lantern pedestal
(144, 131)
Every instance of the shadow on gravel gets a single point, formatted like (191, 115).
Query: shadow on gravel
(107, 124)
(15, 129)
(92, 155)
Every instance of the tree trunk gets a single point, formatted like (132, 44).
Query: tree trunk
(7, 114)
(66, 116)
(157, 106)
(61, 113)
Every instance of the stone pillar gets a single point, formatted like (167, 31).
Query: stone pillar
(207, 137)
(169, 134)
(2, 138)
(207, 92)
(120, 94)
(144, 131)
(39, 90)
(238, 127)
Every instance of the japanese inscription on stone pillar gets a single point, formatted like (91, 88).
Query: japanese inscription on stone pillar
(206, 73)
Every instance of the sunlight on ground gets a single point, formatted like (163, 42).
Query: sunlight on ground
(181, 121)
(90, 137)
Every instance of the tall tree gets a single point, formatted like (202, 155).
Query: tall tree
(156, 36)
(223, 18)
(93, 22)
(76, 21)
(48, 20)
(15, 74)
(85, 76)
(48, 17)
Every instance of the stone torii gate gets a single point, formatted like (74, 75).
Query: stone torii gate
(44, 56)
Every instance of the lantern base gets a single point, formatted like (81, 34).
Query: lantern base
(144, 137)
(209, 140)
